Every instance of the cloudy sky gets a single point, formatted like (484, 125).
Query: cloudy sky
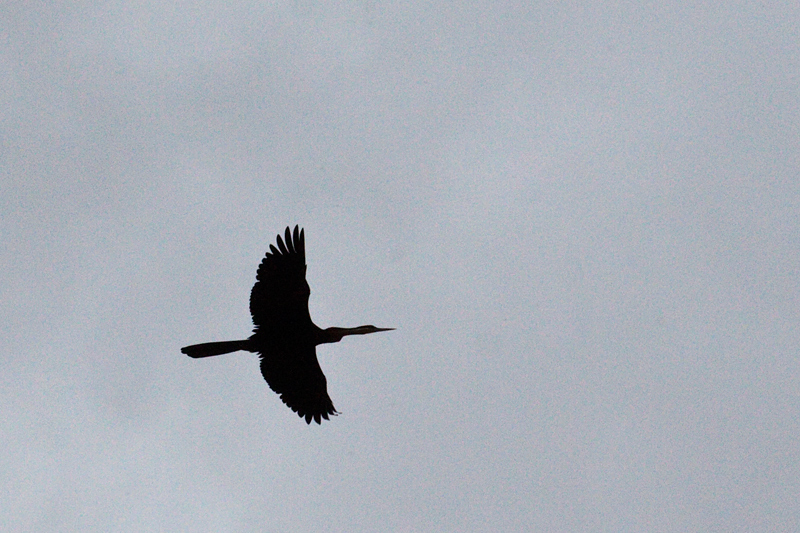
(581, 217)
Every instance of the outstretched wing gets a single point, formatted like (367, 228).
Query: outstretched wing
(294, 373)
(284, 334)
(280, 296)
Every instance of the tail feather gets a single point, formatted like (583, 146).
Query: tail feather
(210, 349)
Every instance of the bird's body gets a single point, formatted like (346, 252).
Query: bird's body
(284, 334)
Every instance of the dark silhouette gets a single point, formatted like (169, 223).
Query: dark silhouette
(284, 335)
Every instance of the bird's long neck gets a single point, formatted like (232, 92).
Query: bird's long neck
(329, 335)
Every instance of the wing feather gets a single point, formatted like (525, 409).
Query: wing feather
(279, 298)
(295, 375)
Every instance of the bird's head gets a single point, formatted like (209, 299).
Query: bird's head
(336, 334)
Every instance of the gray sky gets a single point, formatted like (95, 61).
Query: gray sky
(581, 217)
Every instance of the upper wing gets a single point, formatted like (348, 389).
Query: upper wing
(294, 373)
(281, 292)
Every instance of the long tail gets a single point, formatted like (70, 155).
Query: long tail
(210, 349)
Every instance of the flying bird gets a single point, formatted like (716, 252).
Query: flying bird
(284, 335)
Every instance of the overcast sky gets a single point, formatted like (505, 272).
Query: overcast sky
(583, 218)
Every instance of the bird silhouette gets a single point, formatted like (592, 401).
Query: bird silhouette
(284, 335)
